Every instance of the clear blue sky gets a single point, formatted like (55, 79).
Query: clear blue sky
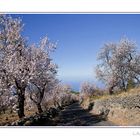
(80, 37)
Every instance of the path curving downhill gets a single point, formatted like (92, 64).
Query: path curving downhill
(75, 115)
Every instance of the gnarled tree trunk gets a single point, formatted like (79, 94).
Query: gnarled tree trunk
(111, 90)
(39, 108)
(21, 99)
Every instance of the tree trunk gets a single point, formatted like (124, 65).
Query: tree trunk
(124, 88)
(111, 90)
(39, 108)
(21, 98)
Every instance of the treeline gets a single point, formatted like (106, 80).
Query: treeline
(27, 71)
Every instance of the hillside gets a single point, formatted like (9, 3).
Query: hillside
(122, 109)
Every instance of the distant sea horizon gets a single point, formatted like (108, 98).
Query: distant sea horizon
(75, 85)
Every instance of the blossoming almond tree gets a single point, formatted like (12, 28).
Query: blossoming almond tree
(44, 71)
(119, 64)
(14, 60)
(87, 89)
(22, 64)
(59, 95)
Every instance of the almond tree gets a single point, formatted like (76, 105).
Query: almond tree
(22, 65)
(14, 57)
(44, 71)
(64, 95)
(119, 64)
(87, 89)
(60, 95)
(105, 71)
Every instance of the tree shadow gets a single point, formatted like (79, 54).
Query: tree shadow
(75, 115)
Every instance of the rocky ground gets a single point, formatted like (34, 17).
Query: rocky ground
(123, 109)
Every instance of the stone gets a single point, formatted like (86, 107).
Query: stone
(28, 123)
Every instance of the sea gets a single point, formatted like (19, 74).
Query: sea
(75, 85)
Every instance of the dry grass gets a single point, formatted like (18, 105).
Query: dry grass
(119, 94)
(123, 111)
(12, 117)
(8, 118)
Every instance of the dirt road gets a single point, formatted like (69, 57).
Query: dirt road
(74, 115)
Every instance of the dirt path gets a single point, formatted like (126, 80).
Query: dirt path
(74, 115)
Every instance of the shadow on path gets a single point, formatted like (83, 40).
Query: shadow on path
(74, 115)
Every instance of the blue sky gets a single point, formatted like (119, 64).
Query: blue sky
(80, 37)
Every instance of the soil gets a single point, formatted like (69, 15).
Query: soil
(75, 115)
